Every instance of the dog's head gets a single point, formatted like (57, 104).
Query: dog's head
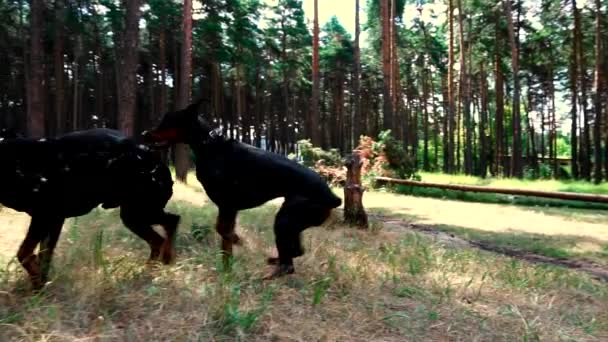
(183, 126)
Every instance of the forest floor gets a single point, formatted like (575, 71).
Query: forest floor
(427, 270)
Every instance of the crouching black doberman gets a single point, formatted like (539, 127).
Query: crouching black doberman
(54, 179)
(237, 176)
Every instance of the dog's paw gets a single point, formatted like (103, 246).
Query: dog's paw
(280, 271)
(272, 261)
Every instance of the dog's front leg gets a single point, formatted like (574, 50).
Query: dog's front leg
(26, 256)
(226, 221)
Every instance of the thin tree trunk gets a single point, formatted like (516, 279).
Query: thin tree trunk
(516, 157)
(162, 62)
(395, 74)
(451, 103)
(315, 132)
(76, 67)
(499, 88)
(182, 159)
(357, 118)
(425, 89)
(574, 65)
(127, 54)
(58, 62)
(446, 125)
(552, 124)
(483, 140)
(597, 88)
(35, 105)
(386, 65)
(585, 150)
(468, 149)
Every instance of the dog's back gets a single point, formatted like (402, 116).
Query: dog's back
(74, 173)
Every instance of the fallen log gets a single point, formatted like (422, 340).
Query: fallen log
(476, 188)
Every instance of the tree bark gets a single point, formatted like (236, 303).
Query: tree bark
(584, 154)
(357, 124)
(516, 157)
(127, 55)
(483, 140)
(574, 79)
(386, 65)
(451, 104)
(58, 66)
(35, 104)
(468, 149)
(162, 62)
(354, 213)
(597, 88)
(182, 160)
(314, 129)
(499, 88)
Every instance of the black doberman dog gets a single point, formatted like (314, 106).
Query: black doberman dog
(238, 176)
(69, 176)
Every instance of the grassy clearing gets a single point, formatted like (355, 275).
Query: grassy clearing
(387, 285)
(558, 233)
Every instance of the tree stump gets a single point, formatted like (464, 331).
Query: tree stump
(354, 213)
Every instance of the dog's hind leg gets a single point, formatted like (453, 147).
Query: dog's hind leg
(26, 256)
(47, 246)
(138, 223)
(226, 221)
(296, 215)
(169, 223)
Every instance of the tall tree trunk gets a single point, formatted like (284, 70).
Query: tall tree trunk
(425, 90)
(597, 88)
(552, 123)
(446, 122)
(395, 74)
(314, 129)
(574, 79)
(468, 149)
(35, 104)
(182, 159)
(516, 157)
(585, 148)
(451, 101)
(357, 118)
(58, 66)
(386, 65)
(500, 107)
(127, 53)
(483, 139)
(162, 65)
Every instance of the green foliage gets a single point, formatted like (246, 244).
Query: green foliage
(311, 155)
(397, 160)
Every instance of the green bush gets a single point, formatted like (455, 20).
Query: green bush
(311, 155)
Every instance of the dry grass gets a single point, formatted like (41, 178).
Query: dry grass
(388, 285)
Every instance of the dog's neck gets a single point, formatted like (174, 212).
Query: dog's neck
(202, 144)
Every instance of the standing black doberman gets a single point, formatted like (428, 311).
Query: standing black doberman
(54, 179)
(238, 176)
